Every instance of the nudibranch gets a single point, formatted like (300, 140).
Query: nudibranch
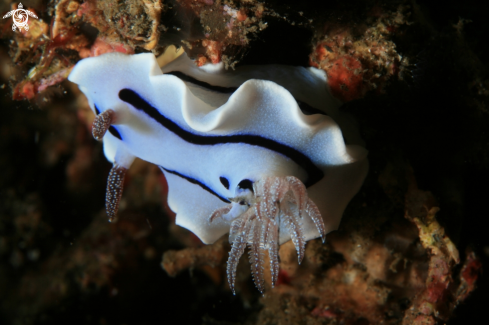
(255, 152)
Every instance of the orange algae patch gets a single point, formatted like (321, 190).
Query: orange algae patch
(241, 15)
(103, 45)
(345, 79)
(213, 50)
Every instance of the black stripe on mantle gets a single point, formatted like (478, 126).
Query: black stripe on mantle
(196, 182)
(314, 173)
(305, 108)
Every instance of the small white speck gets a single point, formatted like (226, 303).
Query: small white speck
(33, 255)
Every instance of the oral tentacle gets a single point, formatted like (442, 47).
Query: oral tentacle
(275, 195)
(257, 258)
(274, 201)
(237, 226)
(237, 250)
(261, 210)
(220, 212)
(272, 243)
(300, 193)
(102, 123)
(313, 212)
(292, 222)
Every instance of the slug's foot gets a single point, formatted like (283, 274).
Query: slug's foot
(102, 123)
(256, 221)
(115, 184)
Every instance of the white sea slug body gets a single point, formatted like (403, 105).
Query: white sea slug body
(239, 154)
